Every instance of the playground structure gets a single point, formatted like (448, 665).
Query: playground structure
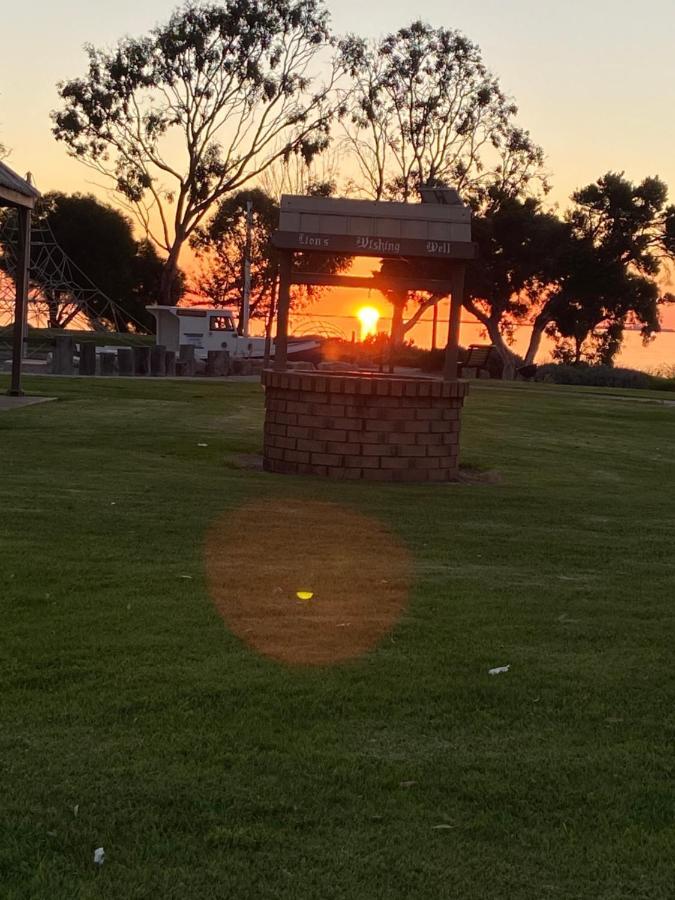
(38, 278)
(56, 281)
(361, 425)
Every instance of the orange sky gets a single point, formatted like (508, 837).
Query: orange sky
(594, 82)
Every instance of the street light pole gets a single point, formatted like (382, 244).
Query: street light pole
(247, 269)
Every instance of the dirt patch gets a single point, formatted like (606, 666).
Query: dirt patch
(261, 556)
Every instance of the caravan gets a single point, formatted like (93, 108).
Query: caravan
(215, 328)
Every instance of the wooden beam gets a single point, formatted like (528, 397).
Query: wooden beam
(21, 304)
(281, 340)
(375, 282)
(8, 197)
(452, 347)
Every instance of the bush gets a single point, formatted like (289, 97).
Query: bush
(602, 376)
(376, 350)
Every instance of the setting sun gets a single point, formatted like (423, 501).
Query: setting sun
(368, 316)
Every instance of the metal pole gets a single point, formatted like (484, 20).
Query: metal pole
(21, 303)
(247, 269)
(434, 325)
(281, 340)
(457, 299)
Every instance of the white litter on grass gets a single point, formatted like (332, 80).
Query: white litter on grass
(76, 809)
(186, 576)
(99, 856)
(202, 445)
(500, 670)
(442, 827)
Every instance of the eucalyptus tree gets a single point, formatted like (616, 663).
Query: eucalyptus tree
(424, 108)
(194, 110)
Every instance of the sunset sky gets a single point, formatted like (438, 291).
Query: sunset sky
(594, 80)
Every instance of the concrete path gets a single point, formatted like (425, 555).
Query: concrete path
(7, 403)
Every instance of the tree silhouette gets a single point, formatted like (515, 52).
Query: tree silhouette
(622, 236)
(424, 108)
(182, 117)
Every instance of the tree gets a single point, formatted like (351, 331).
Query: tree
(516, 278)
(196, 109)
(425, 110)
(510, 284)
(99, 240)
(221, 244)
(623, 234)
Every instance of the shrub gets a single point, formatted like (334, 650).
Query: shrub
(602, 376)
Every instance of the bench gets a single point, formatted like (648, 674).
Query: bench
(478, 357)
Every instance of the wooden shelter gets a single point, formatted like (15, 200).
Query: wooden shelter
(17, 193)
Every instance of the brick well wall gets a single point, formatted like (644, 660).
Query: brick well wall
(376, 427)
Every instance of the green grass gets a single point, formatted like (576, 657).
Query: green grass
(206, 771)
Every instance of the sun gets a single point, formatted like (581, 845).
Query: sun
(368, 316)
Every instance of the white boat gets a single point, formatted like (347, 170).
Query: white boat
(215, 328)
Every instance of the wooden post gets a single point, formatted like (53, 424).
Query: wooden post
(186, 364)
(281, 340)
(141, 360)
(87, 358)
(457, 299)
(107, 361)
(170, 362)
(158, 360)
(21, 302)
(125, 361)
(62, 359)
(217, 363)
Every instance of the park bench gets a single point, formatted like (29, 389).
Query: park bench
(478, 357)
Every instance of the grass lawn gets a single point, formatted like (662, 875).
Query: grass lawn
(132, 719)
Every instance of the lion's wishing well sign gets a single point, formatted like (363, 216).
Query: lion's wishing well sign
(370, 228)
